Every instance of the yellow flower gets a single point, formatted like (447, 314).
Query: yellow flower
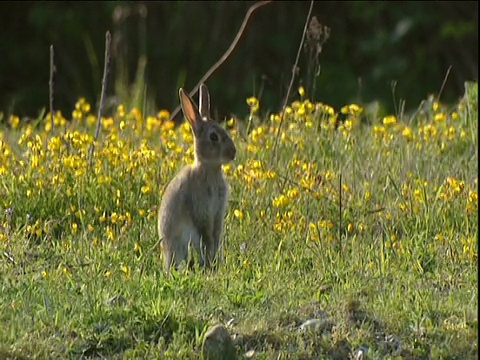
(66, 271)
(137, 248)
(301, 111)
(253, 103)
(473, 197)
(350, 228)
(281, 201)
(407, 133)
(91, 120)
(76, 115)
(456, 185)
(389, 120)
(293, 193)
(136, 114)
(301, 91)
(361, 227)
(126, 270)
(146, 189)
(238, 214)
(163, 115)
(325, 224)
(440, 117)
(231, 122)
(367, 195)
(109, 233)
(86, 107)
(329, 175)
(14, 121)
(379, 130)
(121, 110)
(114, 217)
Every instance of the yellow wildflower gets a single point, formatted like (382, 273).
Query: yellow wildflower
(389, 120)
(14, 121)
(301, 91)
(253, 103)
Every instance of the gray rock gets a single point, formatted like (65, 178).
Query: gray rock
(250, 354)
(361, 353)
(217, 344)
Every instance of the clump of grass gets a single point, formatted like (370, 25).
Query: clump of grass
(81, 273)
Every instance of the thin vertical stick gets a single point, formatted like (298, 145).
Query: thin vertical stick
(102, 95)
(294, 70)
(50, 86)
(340, 213)
(444, 82)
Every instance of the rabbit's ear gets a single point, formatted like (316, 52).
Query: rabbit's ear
(189, 108)
(204, 102)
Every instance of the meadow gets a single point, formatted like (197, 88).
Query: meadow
(365, 226)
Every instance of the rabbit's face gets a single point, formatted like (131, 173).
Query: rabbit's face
(213, 145)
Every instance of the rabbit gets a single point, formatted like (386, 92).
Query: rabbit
(194, 203)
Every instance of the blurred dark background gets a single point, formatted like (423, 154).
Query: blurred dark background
(376, 51)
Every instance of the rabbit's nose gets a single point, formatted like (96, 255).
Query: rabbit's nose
(231, 152)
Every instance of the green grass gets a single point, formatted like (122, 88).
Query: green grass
(368, 225)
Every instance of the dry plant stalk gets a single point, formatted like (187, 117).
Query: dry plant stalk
(294, 70)
(108, 39)
(227, 53)
(50, 86)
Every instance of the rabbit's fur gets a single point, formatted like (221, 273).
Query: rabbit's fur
(194, 203)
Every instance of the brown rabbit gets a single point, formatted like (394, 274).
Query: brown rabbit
(194, 203)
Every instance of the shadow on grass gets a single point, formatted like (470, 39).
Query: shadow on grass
(6, 355)
(123, 331)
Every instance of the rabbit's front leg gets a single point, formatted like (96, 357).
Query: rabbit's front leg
(207, 252)
(206, 249)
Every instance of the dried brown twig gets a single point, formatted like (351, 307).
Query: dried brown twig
(50, 85)
(226, 54)
(108, 39)
(294, 70)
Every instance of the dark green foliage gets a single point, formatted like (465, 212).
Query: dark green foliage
(159, 46)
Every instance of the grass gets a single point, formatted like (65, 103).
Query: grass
(368, 224)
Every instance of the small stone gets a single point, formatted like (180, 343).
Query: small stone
(361, 353)
(217, 344)
(250, 354)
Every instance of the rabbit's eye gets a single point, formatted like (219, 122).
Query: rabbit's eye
(213, 137)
